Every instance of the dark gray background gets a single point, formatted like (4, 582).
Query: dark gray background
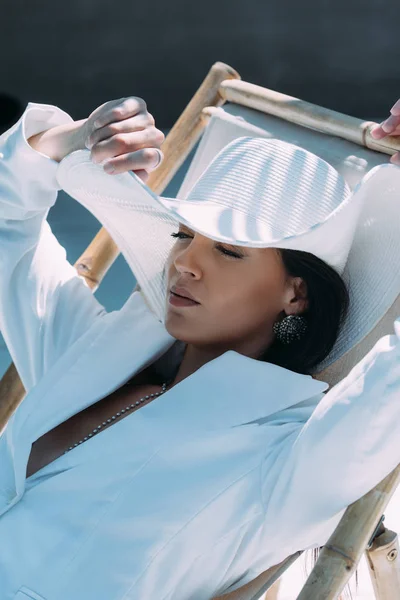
(343, 54)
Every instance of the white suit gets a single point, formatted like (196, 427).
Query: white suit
(199, 491)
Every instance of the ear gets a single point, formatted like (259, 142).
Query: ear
(296, 297)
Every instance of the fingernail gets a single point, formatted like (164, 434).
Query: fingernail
(97, 124)
(88, 144)
(108, 167)
(395, 110)
(374, 132)
(387, 127)
(395, 159)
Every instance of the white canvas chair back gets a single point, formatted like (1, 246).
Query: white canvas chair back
(351, 160)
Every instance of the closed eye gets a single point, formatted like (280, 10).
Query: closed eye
(229, 252)
(181, 235)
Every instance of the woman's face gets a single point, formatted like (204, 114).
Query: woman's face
(239, 293)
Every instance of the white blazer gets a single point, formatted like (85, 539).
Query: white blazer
(196, 493)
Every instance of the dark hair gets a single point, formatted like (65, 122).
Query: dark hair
(328, 301)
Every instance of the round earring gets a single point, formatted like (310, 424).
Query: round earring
(290, 328)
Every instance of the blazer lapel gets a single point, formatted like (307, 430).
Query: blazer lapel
(121, 344)
(229, 391)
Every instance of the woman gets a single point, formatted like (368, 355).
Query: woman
(238, 465)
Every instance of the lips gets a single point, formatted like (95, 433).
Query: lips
(183, 293)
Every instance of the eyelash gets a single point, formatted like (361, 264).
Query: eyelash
(182, 236)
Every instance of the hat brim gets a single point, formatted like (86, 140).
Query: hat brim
(372, 272)
(141, 223)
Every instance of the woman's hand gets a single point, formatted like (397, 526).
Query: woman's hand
(120, 134)
(123, 133)
(391, 126)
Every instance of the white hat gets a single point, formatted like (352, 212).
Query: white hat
(259, 193)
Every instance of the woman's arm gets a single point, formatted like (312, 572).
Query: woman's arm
(59, 141)
(44, 305)
(347, 446)
(121, 134)
(350, 442)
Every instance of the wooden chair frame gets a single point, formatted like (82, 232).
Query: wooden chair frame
(340, 556)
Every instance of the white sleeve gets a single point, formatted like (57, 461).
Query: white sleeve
(44, 305)
(348, 445)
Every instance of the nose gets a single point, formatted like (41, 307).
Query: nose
(188, 260)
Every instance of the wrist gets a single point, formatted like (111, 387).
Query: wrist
(59, 141)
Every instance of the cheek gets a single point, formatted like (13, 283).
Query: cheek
(250, 300)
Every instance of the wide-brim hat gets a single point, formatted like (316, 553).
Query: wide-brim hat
(258, 193)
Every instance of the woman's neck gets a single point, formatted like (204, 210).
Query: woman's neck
(194, 358)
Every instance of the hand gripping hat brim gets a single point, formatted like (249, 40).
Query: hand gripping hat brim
(258, 193)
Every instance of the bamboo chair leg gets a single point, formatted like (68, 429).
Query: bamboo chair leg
(11, 393)
(384, 565)
(340, 556)
(94, 263)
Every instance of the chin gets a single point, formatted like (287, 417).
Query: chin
(180, 330)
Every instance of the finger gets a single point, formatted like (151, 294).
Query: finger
(142, 174)
(136, 123)
(395, 110)
(146, 159)
(124, 143)
(377, 133)
(123, 109)
(390, 124)
(380, 131)
(395, 159)
(396, 131)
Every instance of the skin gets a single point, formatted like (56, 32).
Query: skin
(120, 134)
(242, 293)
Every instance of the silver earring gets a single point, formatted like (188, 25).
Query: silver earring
(290, 328)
